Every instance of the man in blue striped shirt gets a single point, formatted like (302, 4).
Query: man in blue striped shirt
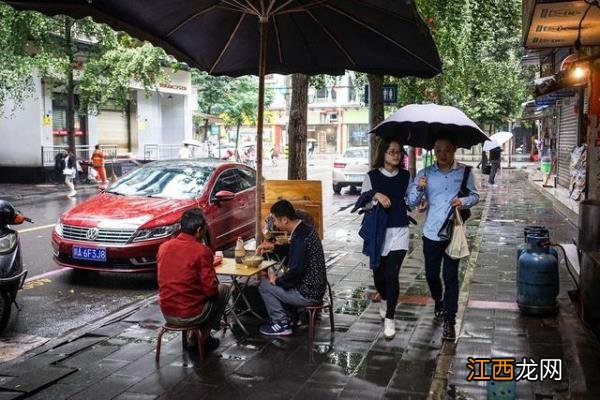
(438, 185)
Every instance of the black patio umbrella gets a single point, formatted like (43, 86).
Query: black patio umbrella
(240, 37)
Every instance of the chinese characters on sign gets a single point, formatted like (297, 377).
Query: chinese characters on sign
(509, 369)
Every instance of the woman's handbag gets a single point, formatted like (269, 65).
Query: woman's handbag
(487, 169)
(458, 247)
(445, 232)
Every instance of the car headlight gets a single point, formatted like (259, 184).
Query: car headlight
(58, 228)
(8, 243)
(155, 233)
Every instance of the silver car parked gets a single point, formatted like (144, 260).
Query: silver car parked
(350, 169)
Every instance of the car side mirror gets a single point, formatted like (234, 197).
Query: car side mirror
(224, 195)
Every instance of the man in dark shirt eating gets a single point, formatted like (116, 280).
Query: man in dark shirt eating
(305, 280)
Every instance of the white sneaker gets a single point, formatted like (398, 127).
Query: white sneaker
(389, 329)
(382, 308)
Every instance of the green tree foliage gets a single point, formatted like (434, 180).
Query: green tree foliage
(479, 43)
(105, 62)
(235, 100)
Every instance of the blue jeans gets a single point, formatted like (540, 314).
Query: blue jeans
(434, 252)
(275, 297)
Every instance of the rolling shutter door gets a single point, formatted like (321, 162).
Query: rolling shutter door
(113, 129)
(567, 138)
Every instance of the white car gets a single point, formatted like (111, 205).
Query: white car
(350, 169)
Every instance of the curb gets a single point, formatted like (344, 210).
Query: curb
(78, 333)
(46, 195)
(558, 206)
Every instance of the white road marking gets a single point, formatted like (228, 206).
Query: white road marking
(37, 228)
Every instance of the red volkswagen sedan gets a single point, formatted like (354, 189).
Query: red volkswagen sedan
(120, 229)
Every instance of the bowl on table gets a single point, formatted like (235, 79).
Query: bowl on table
(252, 261)
(282, 239)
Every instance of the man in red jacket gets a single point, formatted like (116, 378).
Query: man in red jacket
(188, 290)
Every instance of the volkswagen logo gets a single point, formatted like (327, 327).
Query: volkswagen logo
(92, 234)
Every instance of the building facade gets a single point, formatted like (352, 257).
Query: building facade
(34, 132)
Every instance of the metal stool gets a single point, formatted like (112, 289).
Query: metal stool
(312, 314)
(201, 337)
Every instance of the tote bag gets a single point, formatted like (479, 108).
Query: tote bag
(458, 247)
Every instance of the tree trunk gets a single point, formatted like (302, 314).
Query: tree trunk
(70, 85)
(237, 140)
(297, 128)
(376, 115)
(412, 161)
(205, 130)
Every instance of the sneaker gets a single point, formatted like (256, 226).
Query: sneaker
(449, 331)
(438, 311)
(278, 328)
(211, 344)
(389, 328)
(382, 309)
(73, 193)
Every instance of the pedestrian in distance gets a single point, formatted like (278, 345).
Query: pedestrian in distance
(384, 197)
(189, 293)
(98, 165)
(441, 184)
(495, 162)
(273, 156)
(69, 172)
(185, 152)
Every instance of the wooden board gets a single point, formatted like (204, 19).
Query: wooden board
(305, 195)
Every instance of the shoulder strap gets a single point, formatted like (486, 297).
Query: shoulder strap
(463, 185)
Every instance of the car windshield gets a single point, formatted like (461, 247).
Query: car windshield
(356, 153)
(171, 182)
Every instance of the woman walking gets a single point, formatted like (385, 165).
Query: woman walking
(69, 172)
(384, 188)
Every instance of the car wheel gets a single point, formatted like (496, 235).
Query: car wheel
(337, 188)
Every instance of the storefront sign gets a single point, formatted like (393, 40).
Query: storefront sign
(173, 86)
(557, 25)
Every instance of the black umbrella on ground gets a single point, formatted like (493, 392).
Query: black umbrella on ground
(239, 37)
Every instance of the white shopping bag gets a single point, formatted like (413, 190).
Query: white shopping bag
(458, 247)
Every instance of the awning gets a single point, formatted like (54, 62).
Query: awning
(532, 111)
(550, 23)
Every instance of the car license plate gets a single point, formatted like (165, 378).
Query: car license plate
(87, 253)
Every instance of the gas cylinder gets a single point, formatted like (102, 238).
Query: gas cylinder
(539, 230)
(537, 278)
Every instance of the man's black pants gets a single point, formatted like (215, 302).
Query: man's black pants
(434, 252)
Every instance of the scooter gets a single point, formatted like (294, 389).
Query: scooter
(12, 273)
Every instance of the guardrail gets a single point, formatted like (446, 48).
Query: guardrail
(82, 152)
(153, 152)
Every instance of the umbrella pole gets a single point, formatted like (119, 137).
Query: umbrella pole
(262, 64)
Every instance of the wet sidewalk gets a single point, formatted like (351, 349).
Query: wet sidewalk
(114, 358)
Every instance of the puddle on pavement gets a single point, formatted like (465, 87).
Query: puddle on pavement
(349, 361)
(353, 307)
(248, 378)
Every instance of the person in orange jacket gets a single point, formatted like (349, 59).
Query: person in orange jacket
(98, 164)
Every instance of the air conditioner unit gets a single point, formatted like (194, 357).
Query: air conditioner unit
(333, 117)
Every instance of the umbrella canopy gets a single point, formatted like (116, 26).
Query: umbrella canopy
(497, 140)
(420, 125)
(239, 37)
(302, 36)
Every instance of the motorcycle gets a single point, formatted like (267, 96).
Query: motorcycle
(12, 273)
